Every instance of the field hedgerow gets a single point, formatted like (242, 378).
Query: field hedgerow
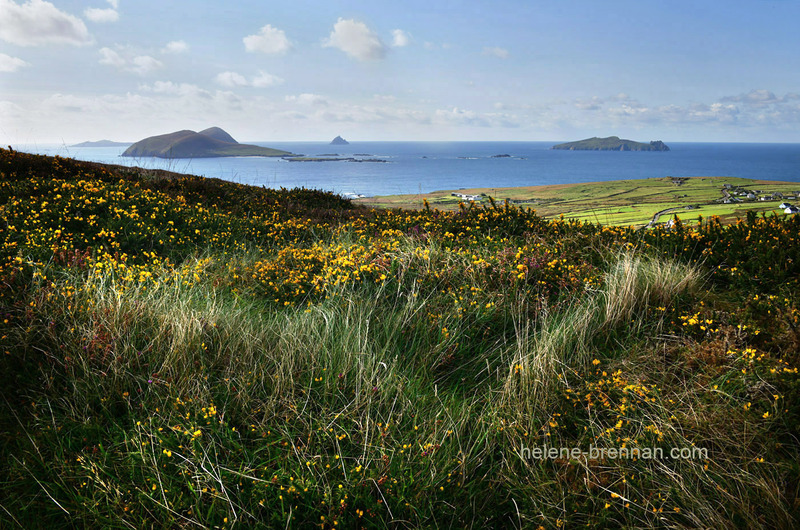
(187, 352)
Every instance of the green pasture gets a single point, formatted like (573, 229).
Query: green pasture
(619, 202)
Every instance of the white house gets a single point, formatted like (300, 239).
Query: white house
(465, 197)
(784, 205)
(792, 209)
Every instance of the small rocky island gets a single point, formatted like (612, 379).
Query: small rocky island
(209, 143)
(339, 141)
(612, 143)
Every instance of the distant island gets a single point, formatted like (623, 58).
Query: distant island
(339, 141)
(210, 143)
(101, 143)
(612, 143)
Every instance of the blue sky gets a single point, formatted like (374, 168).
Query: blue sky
(412, 70)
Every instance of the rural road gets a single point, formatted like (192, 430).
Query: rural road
(662, 212)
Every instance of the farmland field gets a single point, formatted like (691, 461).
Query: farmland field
(622, 202)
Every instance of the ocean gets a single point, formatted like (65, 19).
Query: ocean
(422, 167)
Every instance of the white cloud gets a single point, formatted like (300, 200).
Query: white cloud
(10, 110)
(101, 15)
(756, 108)
(37, 23)
(176, 89)
(233, 79)
(144, 64)
(11, 64)
(463, 117)
(494, 51)
(175, 46)
(264, 80)
(141, 64)
(109, 56)
(113, 3)
(759, 98)
(356, 40)
(168, 87)
(191, 97)
(307, 99)
(268, 40)
(400, 38)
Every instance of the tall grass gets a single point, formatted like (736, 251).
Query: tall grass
(197, 407)
(566, 340)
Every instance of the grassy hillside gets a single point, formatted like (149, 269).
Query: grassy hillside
(212, 142)
(619, 202)
(206, 354)
(218, 134)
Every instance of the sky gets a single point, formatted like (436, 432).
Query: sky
(416, 70)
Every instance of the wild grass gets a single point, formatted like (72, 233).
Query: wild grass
(568, 339)
(352, 368)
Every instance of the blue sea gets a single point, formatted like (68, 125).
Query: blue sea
(422, 167)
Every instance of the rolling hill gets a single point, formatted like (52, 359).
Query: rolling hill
(209, 143)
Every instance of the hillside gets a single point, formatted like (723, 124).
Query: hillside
(207, 354)
(612, 143)
(218, 134)
(209, 143)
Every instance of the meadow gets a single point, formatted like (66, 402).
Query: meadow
(618, 202)
(186, 352)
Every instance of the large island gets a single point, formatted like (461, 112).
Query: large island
(612, 143)
(209, 143)
(101, 143)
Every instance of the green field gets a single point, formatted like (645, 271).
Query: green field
(619, 202)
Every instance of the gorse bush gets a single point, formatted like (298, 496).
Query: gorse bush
(179, 351)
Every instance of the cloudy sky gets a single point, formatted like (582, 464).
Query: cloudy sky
(411, 70)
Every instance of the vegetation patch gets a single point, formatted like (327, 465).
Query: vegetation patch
(622, 202)
(206, 354)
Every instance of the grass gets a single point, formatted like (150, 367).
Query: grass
(184, 352)
(620, 203)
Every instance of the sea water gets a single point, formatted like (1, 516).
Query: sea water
(422, 167)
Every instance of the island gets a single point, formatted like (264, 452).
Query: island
(102, 143)
(612, 143)
(339, 141)
(209, 143)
